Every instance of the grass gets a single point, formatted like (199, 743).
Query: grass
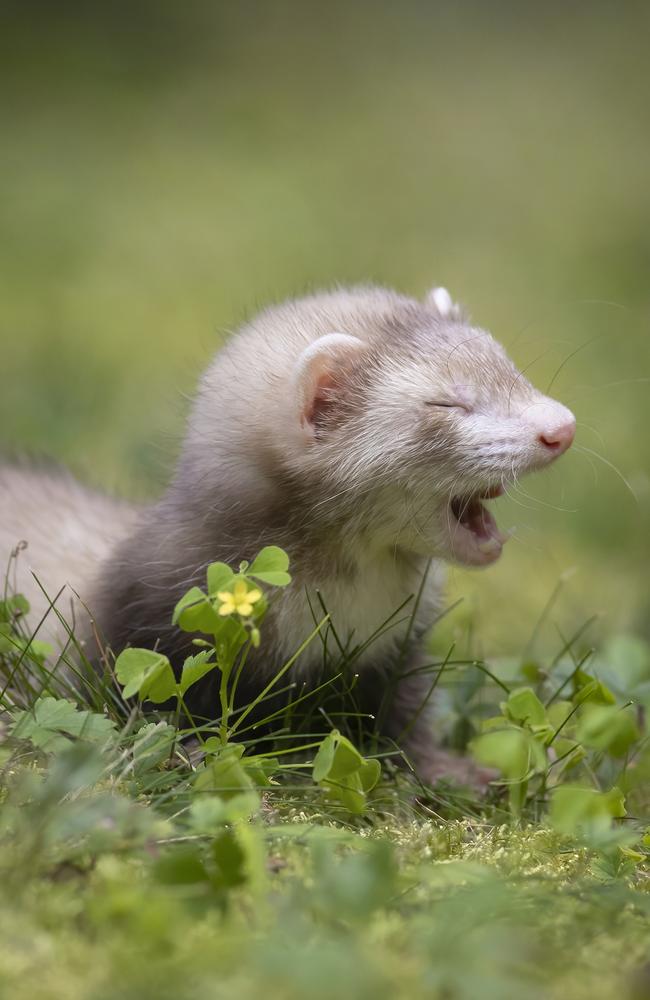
(133, 865)
(168, 171)
(101, 897)
(402, 909)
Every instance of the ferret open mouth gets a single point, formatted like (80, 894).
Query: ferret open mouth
(474, 534)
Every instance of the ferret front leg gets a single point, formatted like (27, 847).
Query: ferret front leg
(409, 722)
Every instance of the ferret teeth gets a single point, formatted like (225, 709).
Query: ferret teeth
(489, 546)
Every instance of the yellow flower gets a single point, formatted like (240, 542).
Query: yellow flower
(240, 601)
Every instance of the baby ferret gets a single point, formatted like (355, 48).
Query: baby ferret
(361, 431)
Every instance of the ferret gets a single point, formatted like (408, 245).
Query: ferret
(362, 431)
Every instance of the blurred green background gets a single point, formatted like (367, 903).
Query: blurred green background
(168, 168)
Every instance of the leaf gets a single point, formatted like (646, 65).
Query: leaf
(51, 721)
(252, 844)
(9, 642)
(324, 758)
(270, 566)
(524, 706)
(260, 769)
(37, 651)
(576, 810)
(513, 751)
(206, 813)
(628, 660)
(342, 771)
(558, 713)
(145, 673)
(181, 866)
(224, 773)
(13, 607)
(190, 599)
(194, 613)
(230, 859)
(13, 644)
(570, 752)
(531, 671)
(152, 746)
(194, 668)
(209, 812)
(633, 855)
(590, 689)
(220, 576)
(351, 886)
(606, 727)
(348, 791)
(229, 639)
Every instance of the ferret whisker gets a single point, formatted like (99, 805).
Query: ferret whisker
(610, 465)
(457, 347)
(568, 358)
(511, 496)
(545, 503)
(623, 381)
(521, 373)
(581, 423)
(592, 464)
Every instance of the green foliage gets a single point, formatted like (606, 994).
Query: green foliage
(153, 746)
(194, 668)
(210, 859)
(523, 706)
(231, 612)
(195, 613)
(230, 861)
(233, 626)
(51, 723)
(225, 772)
(571, 740)
(143, 672)
(354, 886)
(341, 770)
(13, 607)
(608, 728)
(271, 566)
(15, 645)
(576, 810)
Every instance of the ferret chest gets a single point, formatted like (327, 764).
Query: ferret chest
(371, 608)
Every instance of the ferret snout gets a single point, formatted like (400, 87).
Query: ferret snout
(554, 426)
(559, 438)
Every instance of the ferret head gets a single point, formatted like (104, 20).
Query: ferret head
(405, 419)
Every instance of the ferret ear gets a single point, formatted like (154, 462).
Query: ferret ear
(318, 376)
(440, 301)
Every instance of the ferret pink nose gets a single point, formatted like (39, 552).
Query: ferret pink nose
(558, 438)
